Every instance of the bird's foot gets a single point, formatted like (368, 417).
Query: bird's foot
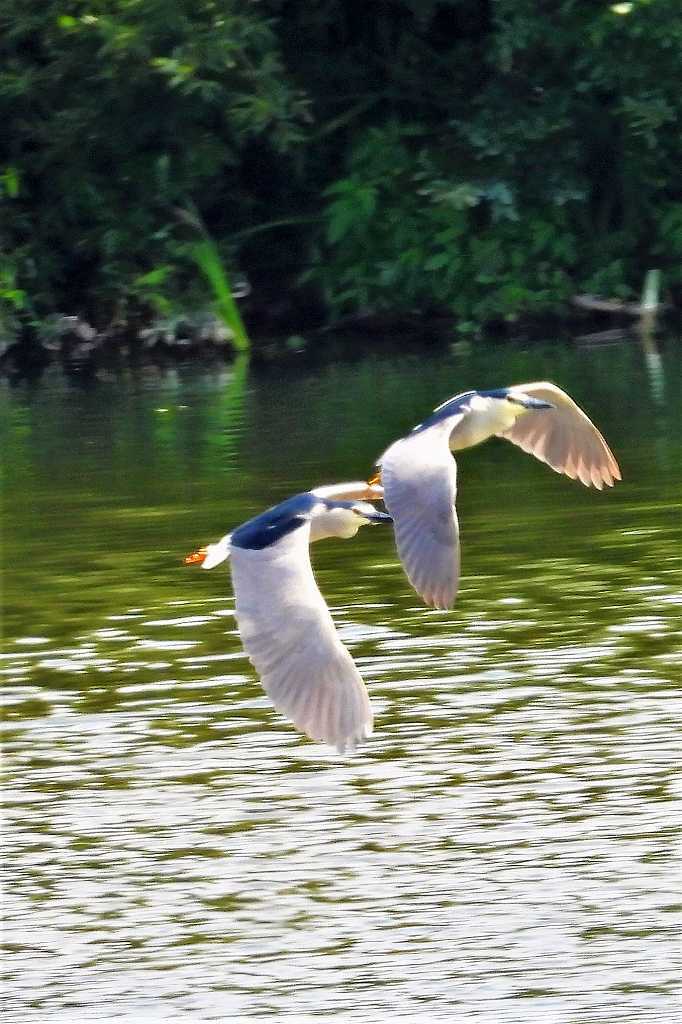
(196, 557)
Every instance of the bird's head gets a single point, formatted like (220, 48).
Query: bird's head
(343, 518)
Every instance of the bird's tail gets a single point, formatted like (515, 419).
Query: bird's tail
(212, 554)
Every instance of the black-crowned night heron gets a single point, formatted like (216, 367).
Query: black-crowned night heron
(282, 618)
(419, 476)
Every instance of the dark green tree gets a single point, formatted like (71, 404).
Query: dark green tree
(487, 158)
(114, 114)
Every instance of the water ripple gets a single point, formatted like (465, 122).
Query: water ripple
(505, 846)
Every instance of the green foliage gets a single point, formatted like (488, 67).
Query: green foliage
(670, 240)
(490, 159)
(113, 115)
(550, 167)
(208, 259)
(402, 235)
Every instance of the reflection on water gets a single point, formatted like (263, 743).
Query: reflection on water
(501, 850)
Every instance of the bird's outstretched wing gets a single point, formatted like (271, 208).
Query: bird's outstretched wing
(564, 437)
(419, 477)
(291, 640)
(357, 490)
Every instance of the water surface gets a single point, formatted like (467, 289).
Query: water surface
(502, 850)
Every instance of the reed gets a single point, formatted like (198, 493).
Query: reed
(208, 260)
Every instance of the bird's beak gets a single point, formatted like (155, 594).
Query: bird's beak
(196, 557)
(377, 517)
(375, 478)
(530, 403)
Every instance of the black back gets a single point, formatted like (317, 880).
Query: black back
(456, 405)
(275, 523)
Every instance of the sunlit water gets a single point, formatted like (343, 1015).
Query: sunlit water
(502, 850)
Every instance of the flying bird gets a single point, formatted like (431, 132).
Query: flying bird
(283, 620)
(419, 476)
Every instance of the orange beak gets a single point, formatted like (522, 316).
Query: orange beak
(375, 478)
(196, 558)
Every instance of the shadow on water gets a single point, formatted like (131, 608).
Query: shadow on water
(500, 850)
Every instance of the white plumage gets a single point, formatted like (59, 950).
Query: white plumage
(419, 475)
(420, 481)
(290, 637)
(564, 437)
(283, 620)
(284, 623)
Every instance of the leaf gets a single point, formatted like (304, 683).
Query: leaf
(441, 259)
(10, 181)
(208, 259)
(154, 277)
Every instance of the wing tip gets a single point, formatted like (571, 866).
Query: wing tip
(439, 600)
(349, 744)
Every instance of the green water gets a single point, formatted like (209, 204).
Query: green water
(503, 848)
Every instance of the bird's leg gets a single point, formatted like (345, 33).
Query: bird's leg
(196, 557)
